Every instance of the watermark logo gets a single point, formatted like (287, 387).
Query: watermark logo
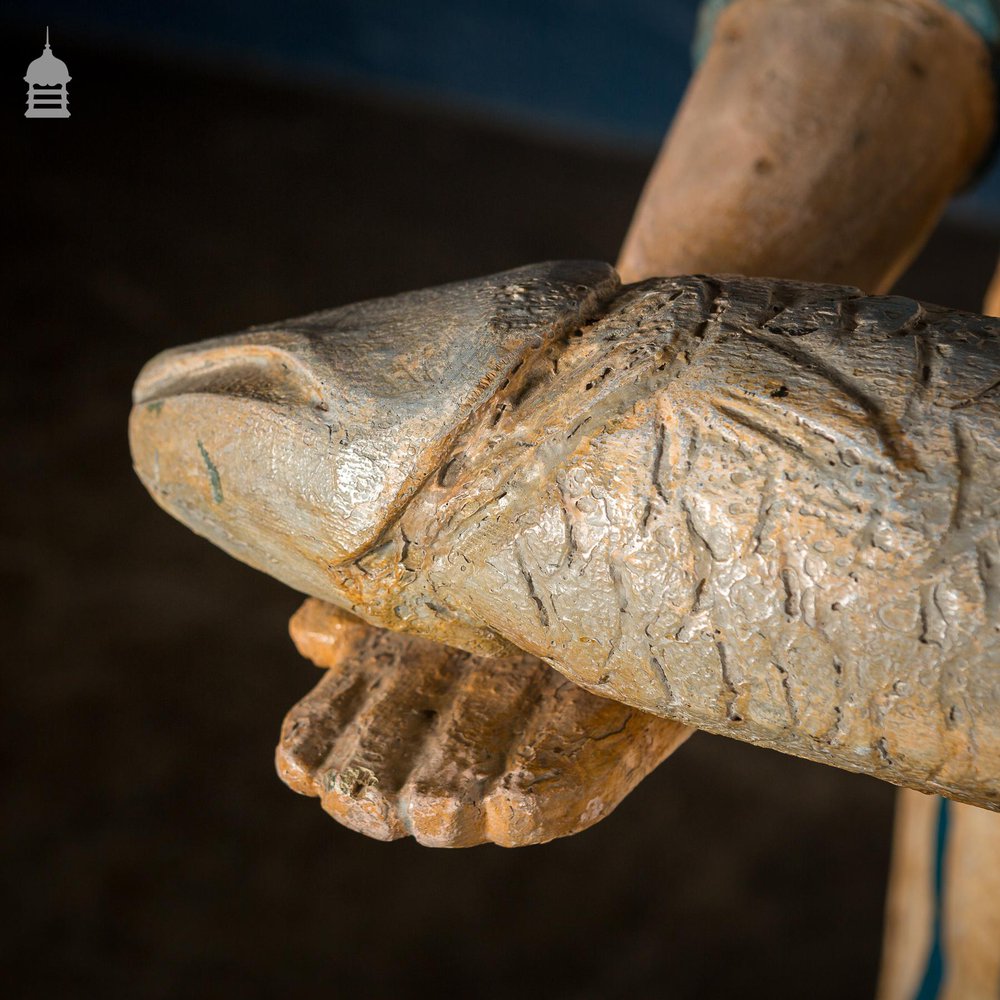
(47, 80)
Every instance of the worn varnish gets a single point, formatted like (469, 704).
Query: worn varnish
(785, 148)
(766, 509)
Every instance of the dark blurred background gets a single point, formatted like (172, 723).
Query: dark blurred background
(227, 164)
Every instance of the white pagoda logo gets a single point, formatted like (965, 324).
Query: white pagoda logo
(47, 78)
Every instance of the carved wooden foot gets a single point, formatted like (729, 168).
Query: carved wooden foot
(404, 736)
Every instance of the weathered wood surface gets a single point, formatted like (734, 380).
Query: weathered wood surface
(404, 736)
(778, 47)
(819, 140)
(766, 509)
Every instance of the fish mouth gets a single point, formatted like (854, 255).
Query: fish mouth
(235, 438)
(234, 366)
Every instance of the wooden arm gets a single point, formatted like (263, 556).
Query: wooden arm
(820, 140)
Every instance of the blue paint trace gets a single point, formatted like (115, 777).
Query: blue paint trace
(930, 985)
(983, 15)
(213, 474)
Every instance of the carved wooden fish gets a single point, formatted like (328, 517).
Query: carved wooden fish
(764, 508)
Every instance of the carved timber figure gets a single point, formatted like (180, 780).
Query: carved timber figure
(763, 508)
(819, 139)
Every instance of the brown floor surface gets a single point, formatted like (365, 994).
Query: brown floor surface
(148, 848)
